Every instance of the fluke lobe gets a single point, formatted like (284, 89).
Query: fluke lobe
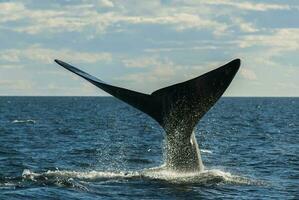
(177, 108)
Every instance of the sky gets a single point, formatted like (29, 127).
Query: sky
(147, 45)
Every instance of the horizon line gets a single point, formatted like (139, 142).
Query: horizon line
(233, 96)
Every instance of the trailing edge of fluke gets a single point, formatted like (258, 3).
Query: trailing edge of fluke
(177, 108)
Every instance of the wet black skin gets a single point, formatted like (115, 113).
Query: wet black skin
(177, 108)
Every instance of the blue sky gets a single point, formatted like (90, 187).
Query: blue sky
(146, 45)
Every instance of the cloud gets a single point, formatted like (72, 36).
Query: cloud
(269, 51)
(9, 11)
(78, 18)
(181, 16)
(244, 26)
(180, 21)
(189, 48)
(156, 69)
(157, 72)
(8, 66)
(142, 62)
(34, 21)
(189, 37)
(248, 74)
(262, 49)
(16, 84)
(246, 5)
(288, 86)
(46, 56)
(285, 39)
(106, 3)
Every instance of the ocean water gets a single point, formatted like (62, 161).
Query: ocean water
(98, 147)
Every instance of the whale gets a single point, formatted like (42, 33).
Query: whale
(177, 109)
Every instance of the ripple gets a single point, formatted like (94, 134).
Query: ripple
(206, 151)
(21, 121)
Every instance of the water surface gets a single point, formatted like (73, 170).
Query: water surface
(97, 147)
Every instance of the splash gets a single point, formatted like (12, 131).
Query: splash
(207, 177)
(29, 121)
(206, 151)
(91, 175)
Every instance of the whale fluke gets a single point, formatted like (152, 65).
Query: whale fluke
(177, 108)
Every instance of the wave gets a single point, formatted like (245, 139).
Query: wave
(84, 180)
(206, 151)
(29, 121)
(207, 177)
(91, 175)
(7, 185)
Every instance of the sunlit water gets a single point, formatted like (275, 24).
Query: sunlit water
(93, 147)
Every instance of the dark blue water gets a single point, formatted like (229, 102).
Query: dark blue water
(97, 147)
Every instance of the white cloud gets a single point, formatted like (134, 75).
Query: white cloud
(44, 55)
(277, 43)
(286, 39)
(226, 24)
(189, 48)
(9, 56)
(81, 89)
(288, 86)
(77, 18)
(244, 26)
(16, 84)
(70, 18)
(181, 16)
(248, 74)
(8, 66)
(9, 11)
(142, 62)
(246, 5)
(156, 69)
(159, 72)
(106, 3)
(165, 71)
(181, 21)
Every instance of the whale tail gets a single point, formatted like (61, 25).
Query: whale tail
(177, 108)
(187, 101)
